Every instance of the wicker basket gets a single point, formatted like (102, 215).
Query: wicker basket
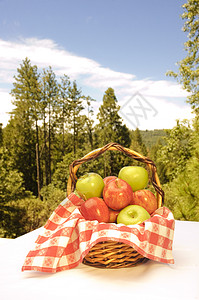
(111, 254)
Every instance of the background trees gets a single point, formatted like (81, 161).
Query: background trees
(182, 191)
(22, 132)
(111, 129)
(188, 67)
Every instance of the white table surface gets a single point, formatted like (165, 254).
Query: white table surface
(151, 280)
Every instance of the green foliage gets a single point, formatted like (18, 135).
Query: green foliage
(22, 216)
(61, 174)
(182, 194)
(137, 143)
(180, 155)
(75, 119)
(19, 216)
(187, 73)
(52, 197)
(20, 134)
(108, 117)
(111, 129)
(152, 137)
(172, 156)
(19, 141)
(11, 181)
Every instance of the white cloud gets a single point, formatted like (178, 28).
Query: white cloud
(46, 53)
(90, 74)
(6, 106)
(152, 113)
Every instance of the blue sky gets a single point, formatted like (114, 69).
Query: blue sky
(124, 44)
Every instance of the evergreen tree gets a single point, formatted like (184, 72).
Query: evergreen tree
(172, 157)
(111, 129)
(64, 109)
(75, 108)
(49, 115)
(137, 143)
(109, 119)
(23, 126)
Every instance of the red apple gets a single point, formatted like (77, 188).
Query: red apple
(113, 215)
(95, 209)
(108, 179)
(146, 199)
(117, 194)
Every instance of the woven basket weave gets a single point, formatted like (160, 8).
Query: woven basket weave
(111, 254)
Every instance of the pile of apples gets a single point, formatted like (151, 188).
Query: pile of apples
(123, 199)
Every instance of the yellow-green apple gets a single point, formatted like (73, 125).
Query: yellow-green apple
(146, 199)
(113, 215)
(90, 185)
(117, 194)
(133, 214)
(136, 176)
(108, 178)
(95, 209)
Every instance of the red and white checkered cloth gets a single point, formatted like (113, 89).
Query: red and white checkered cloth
(67, 237)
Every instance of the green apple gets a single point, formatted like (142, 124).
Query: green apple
(137, 177)
(90, 185)
(132, 214)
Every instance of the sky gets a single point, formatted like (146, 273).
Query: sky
(127, 45)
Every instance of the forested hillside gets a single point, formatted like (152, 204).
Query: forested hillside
(151, 137)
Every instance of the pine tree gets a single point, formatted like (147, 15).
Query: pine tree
(137, 143)
(109, 119)
(111, 129)
(49, 110)
(64, 109)
(24, 133)
(75, 108)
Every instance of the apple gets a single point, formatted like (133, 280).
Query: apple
(117, 194)
(113, 215)
(146, 199)
(90, 185)
(136, 176)
(108, 179)
(95, 209)
(133, 214)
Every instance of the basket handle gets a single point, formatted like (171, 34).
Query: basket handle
(131, 153)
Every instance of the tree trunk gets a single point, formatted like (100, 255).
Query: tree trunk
(49, 146)
(45, 154)
(38, 171)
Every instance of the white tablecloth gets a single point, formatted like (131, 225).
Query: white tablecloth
(151, 280)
